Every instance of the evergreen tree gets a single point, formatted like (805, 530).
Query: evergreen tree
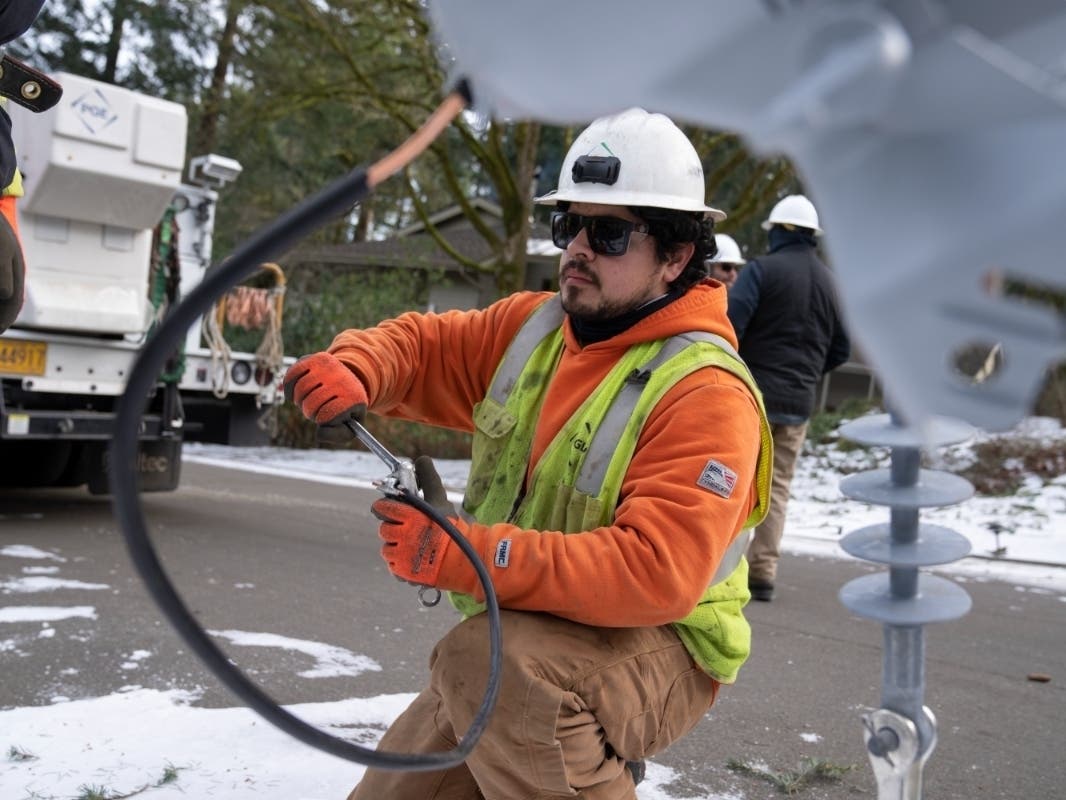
(160, 47)
(301, 91)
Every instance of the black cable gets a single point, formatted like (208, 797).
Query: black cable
(265, 245)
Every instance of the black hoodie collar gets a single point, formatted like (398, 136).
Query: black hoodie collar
(600, 330)
(782, 237)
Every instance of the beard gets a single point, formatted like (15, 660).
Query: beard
(586, 302)
(587, 311)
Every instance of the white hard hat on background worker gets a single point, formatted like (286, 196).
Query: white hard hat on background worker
(725, 264)
(728, 250)
(633, 159)
(795, 209)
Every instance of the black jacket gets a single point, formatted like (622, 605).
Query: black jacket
(785, 312)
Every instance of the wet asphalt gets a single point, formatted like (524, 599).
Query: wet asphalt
(254, 552)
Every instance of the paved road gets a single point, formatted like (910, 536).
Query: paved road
(298, 559)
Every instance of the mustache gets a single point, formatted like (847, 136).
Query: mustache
(577, 266)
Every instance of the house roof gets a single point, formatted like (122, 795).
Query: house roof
(414, 248)
(454, 215)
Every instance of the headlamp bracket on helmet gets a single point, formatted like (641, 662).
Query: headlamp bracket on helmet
(596, 169)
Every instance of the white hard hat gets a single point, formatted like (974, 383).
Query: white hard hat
(633, 159)
(793, 210)
(728, 250)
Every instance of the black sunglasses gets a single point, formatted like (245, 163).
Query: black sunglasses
(608, 236)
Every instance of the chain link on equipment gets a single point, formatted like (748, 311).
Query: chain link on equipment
(164, 283)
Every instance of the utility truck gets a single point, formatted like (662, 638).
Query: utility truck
(112, 235)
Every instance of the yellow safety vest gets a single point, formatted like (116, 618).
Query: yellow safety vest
(578, 495)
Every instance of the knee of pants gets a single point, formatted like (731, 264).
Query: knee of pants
(465, 648)
(540, 656)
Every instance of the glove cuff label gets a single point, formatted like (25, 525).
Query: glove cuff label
(503, 553)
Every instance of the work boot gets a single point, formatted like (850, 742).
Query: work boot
(638, 768)
(761, 590)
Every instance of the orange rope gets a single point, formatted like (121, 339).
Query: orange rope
(253, 308)
(247, 307)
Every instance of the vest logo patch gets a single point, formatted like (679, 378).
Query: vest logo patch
(718, 478)
(503, 553)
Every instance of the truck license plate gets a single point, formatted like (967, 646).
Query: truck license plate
(18, 357)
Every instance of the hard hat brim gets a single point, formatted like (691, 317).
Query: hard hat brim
(616, 198)
(766, 225)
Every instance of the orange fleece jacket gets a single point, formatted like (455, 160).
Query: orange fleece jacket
(652, 565)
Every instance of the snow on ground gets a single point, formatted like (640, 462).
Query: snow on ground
(1030, 550)
(137, 738)
(152, 743)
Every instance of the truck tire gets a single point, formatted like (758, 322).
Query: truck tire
(76, 473)
(33, 462)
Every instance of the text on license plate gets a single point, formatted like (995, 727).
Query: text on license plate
(20, 357)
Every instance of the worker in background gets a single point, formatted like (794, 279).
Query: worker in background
(16, 16)
(785, 313)
(725, 265)
(611, 540)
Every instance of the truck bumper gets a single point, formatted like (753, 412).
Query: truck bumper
(70, 424)
(60, 444)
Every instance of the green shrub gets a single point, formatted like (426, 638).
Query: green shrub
(321, 302)
(822, 427)
(402, 438)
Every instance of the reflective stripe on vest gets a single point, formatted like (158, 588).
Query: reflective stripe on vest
(547, 317)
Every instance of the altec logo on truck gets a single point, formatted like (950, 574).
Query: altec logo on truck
(101, 172)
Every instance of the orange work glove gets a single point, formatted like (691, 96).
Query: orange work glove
(12, 274)
(414, 545)
(328, 394)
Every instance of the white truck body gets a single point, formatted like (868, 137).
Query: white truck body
(100, 169)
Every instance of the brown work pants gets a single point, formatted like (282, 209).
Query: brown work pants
(575, 704)
(765, 548)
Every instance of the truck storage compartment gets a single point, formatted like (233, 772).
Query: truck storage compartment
(99, 170)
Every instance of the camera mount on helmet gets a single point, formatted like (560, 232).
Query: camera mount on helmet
(596, 169)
